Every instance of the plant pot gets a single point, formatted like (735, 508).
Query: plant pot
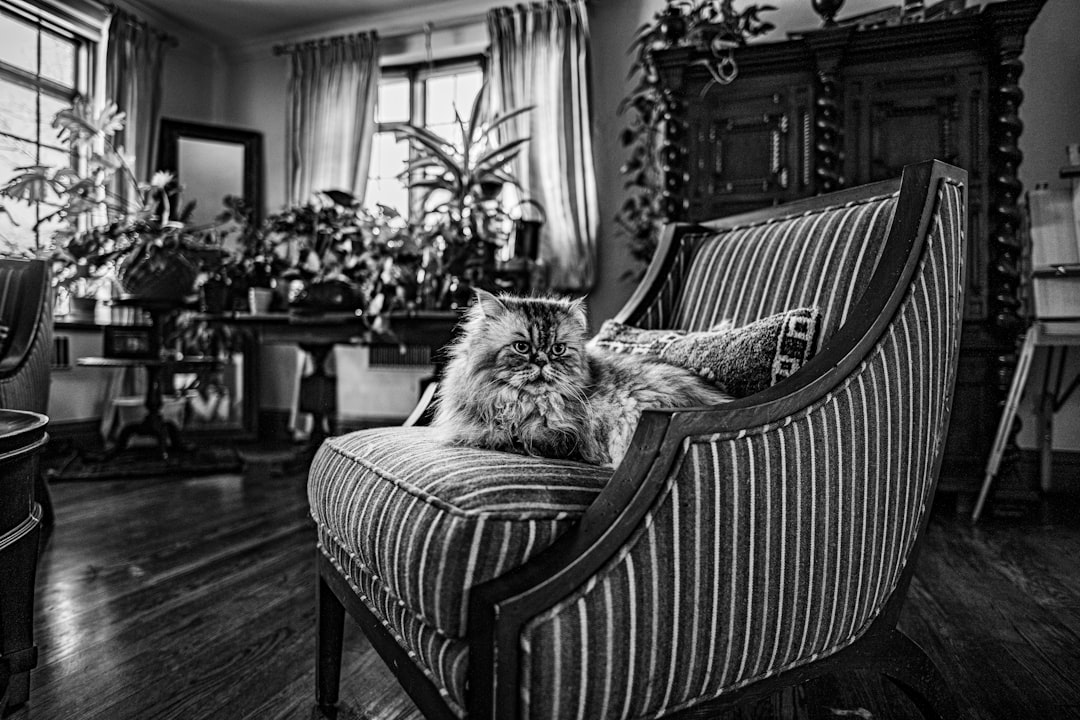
(157, 275)
(327, 295)
(214, 296)
(82, 308)
(259, 300)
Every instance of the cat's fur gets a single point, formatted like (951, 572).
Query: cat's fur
(521, 378)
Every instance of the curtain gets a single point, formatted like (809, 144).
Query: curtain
(539, 57)
(331, 121)
(134, 54)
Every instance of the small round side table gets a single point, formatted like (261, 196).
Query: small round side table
(22, 436)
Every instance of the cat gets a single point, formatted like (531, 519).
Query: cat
(521, 378)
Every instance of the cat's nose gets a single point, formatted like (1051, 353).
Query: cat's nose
(540, 359)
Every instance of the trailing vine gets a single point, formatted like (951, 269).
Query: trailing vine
(653, 127)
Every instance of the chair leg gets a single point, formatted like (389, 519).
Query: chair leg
(331, 628)
(910, 669)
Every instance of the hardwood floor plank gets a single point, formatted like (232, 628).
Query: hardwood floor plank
(188, 599)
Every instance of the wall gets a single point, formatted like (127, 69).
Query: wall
(1051, 116)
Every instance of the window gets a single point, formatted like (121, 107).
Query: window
(426, 96)
(43, 66)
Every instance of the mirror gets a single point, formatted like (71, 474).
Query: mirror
(210, 162)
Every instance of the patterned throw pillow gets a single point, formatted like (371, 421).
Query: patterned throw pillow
(739, 361)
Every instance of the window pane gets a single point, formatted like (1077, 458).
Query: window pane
(18, 228)
(387, 191)
(58, 59)
(389, 156)
(440, 101)
(49, 107)
(393, 102)
(468, 86)
(18, 43)
(447, 92)
(18, 112)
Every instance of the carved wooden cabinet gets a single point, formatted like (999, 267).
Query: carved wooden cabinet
(846, 105)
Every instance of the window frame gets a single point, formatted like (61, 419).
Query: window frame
(417, 74)
(86, 39)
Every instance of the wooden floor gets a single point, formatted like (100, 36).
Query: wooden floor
(188, 599)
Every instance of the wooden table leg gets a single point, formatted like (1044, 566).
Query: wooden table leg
(318, 391)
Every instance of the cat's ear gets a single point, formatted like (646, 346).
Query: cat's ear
(489, 305)
(578, 310)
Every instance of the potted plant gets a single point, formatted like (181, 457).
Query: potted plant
(716, 29)
(461, 210)
(111, 222)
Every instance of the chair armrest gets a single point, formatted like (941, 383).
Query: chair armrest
(26, 318)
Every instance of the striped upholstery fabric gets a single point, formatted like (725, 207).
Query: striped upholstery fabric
(820, 259)
(443, 660)
(27, 388)
(429, 521)
(770, 547)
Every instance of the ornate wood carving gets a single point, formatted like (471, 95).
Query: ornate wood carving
(827, 133)
(674, 159)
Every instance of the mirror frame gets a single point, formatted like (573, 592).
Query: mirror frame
(172, 130)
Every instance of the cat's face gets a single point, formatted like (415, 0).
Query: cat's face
(529, 342)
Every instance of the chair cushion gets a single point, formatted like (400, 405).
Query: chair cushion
(739, 361)
(430, 520)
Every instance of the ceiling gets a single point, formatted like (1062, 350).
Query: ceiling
(242, 22)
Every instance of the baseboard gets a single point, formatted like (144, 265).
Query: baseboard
(75, 432)
(350, 424)
(274, 424)
(1064, 470)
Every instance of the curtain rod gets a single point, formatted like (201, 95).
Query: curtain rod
(396, 34)
(115, 10)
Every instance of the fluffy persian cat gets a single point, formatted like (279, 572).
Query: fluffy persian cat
(521, 379)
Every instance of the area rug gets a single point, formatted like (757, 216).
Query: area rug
(144, 462)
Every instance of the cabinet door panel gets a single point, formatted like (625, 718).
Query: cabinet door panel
(894, 119)
(747, 149)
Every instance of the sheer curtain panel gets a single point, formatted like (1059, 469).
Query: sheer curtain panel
(332, 91)
(539, 57)
(134, 56)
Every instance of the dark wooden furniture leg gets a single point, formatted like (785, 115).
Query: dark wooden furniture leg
(318, 391)
(331, 629)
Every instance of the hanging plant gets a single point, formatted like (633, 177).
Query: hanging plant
(712, 26)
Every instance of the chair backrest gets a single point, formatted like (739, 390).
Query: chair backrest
(25, 354)
(751, 267)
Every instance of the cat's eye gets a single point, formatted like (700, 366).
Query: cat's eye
(558, 349)
(520, 347)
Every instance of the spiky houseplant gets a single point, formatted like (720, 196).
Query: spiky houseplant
(460, 209)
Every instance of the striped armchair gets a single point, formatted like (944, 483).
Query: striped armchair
(735, 551)
(26, 328)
